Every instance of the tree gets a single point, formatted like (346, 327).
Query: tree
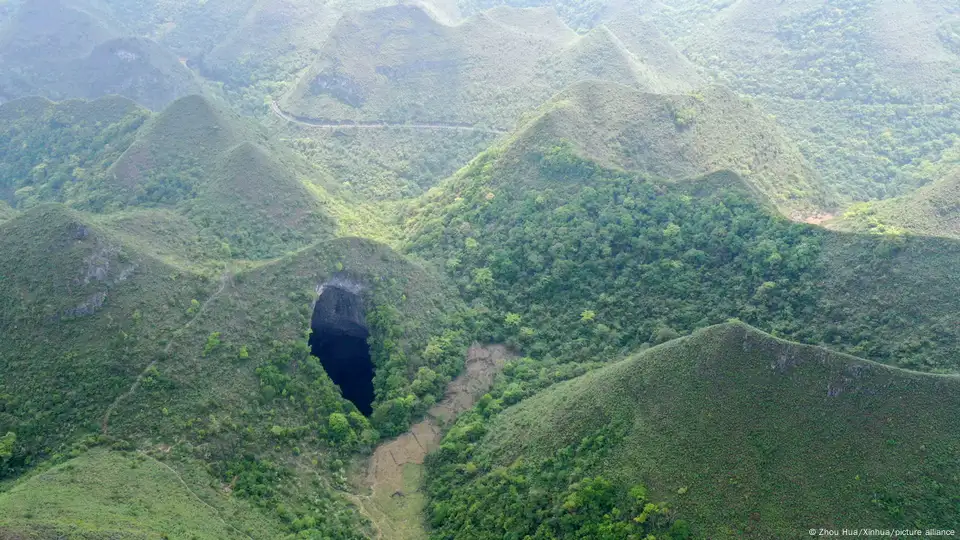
(6, 446)
(339, 427)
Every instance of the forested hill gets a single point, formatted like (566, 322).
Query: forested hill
(118, 350)
(868, 88)
(197, 159)
(567, 258)
(933, 210)
(704, 437)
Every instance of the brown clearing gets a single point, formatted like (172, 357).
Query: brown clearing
(392, 474)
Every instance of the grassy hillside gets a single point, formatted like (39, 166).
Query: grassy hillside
(110, 494)
(368, 71)
(273, 39)
(673, 136)
(43, 30)
(251, 403)
(169, 236)
(933, 210)
(569, 259)
(83, 316)
(870, 106)
(719, 426)
(377, 66)
(195, 159)
(137, 68)
(646, 42)
(844, 50)
(107, 335)
(386, 164)
(225, 176)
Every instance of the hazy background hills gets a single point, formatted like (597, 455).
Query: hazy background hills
(60, 49)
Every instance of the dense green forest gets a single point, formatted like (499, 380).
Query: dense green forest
(590, 262)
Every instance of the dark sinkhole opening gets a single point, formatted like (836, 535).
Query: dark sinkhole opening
(339, 340)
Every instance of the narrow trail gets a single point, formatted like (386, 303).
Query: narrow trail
(105, 423)
(309, 122)
(392, 504)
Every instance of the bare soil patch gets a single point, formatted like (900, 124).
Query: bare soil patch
(394, 471)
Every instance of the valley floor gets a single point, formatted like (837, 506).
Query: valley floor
(391, 479)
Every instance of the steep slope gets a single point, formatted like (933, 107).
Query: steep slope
(60, 151)
(43, 30)
(106, 494)
(868, 103)
(104, 343)
(64, 49)
(258, 204)
(721, 426)
(572, 257)
(274, 39)
(185, 134)
(136, 68)
(853, 50)
(377, 66)
(210, 164)
(645, 41)
(83, 315)
(673, 136)
(932, 210)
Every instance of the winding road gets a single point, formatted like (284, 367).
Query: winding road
(375, 124)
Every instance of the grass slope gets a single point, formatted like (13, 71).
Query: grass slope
(841, 76)
(744, 435)
(212, 374)
(226, 177)
(42, 30)
(764, 38)
(109, 494)
(678, 136)
(371, 70)
(137, 68)
(645, 41)
(933, 210)
(83, 315)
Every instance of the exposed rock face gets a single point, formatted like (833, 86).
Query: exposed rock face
(340, 310)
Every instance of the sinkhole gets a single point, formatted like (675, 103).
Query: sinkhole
(339, 340)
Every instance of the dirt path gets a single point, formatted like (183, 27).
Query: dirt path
(275, 107)
(105, 423)
(393, 474)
